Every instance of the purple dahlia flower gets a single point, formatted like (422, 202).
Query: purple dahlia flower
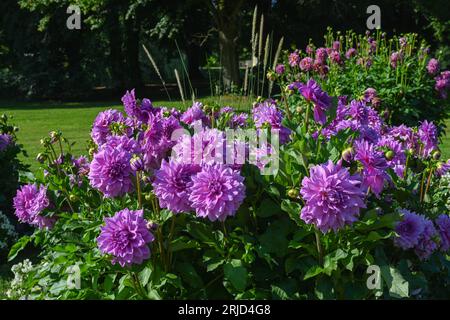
(217, 192)
(408, 229)
(321, 55)
(111, 173)
(443, 168)
(433, 66)
(125, 236)
(426, 244)
(350, 53)
(238, 120)
(443, 225)
(427, 133)
(311, 91)
(194, 114)
(294, 59)
(335, 57)
(398, 161)
(306, 64)
(268, 113)
(374, 166)
(29, 203)
(336, 45)
(204, 147)
(442, 83)
(5, 141)
(279, 69)
(395, 58)
(101, 128)
(333, 197)
(171, 185)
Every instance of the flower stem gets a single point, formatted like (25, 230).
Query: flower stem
(138, 188)
(319, 247)
(307, 118)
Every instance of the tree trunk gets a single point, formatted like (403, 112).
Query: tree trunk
(226, 16)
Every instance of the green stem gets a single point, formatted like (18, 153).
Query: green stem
(307, 118)
(319, 247)
(138, 188)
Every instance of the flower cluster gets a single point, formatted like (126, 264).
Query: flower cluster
(419, 233)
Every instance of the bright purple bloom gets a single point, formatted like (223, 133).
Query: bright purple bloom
(427, 133)
(29, 203)
(404, 135)
(333, 197)
(442, 83)
(126, 237)
(409, 229)
(312, 92)
(443, 226)
(374, 166)
(238, 120)
(111, 173)
(398, 161)
(279, 69)
(309, 49)
(101, 128)
(433, 66)
(306, 64)
(217, 192)
(195, 113)
(267, 113)
(171, 185)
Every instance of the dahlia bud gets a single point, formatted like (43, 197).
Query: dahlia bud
(91, 152)
(436, 154)
(271, 76)
(347, 154)
(54, 136)
(16, 129)
(389, 155)
(288, 91)
(148, 197)
(152, 226)
(41, 157)
(299, 109)
(137, 164)
(4, 117)
(292, 193)
(73, 198)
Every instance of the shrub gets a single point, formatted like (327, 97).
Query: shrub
(10, 165)
(146, 216)
(403, 82)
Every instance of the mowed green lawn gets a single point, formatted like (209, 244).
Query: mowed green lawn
(36, 120)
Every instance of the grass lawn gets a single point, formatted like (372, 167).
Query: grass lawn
(36, 120)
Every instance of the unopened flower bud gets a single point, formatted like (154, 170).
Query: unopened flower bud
(148, 197)
(137, 164)
(389, 155)
(4, 117)
(41, 157)
(152, 226)
(271, 76)
(299, 109)
(292, 193)
(347, 154)
(436, 154)
(54, 136)
(91, 152)
(73, 198)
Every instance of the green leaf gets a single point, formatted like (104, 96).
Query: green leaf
(144, 275)
(312, 272)
(189, 275)
(109, 282)
(236, 273)
(18, 246)
(267, 208)
(183, 243)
